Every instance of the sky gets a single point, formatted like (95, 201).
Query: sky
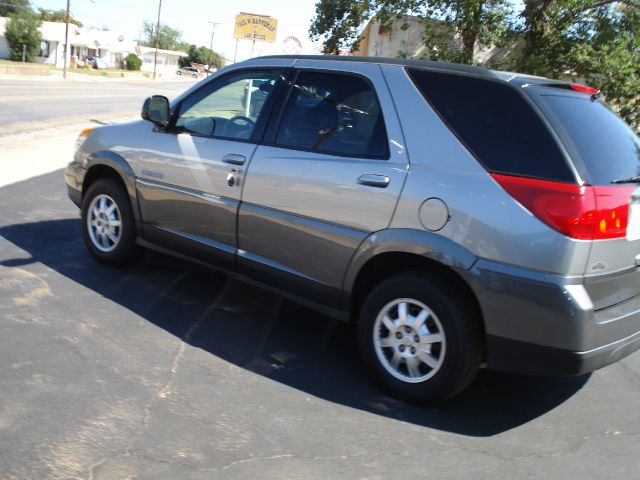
(192, 17)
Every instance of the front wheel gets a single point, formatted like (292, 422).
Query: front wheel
(108, 225)
(420, 337)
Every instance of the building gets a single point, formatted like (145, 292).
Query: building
(167, 60)
(378, 40)
(84, 44)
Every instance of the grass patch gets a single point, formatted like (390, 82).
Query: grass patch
(26, 64)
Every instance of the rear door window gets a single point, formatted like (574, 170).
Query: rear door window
(334, 113)
(602, 145)
(496, 123)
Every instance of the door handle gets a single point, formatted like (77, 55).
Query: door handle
(373, 180)
(234, 159)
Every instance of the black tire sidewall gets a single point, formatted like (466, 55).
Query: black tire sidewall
(126, 248)
(462, 356)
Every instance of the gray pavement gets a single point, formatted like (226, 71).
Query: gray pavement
(32, 104)
(165, 370)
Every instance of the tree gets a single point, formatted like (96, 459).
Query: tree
(7, 7)
(595, 41)
(22, 30)
(169, 39)
(57, 16)
(201, 55)
(132, 62)
(452, 27)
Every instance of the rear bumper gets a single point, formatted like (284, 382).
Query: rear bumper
(522, 357)
(546, 324)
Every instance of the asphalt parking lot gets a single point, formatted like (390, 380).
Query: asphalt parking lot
(166, 370)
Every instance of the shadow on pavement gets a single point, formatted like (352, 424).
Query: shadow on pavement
(266, 334)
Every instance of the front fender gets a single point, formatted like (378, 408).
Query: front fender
(121, 166)
(412, 241)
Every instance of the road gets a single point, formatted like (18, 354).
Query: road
(41, 118)
(164, 370)
(31, 104)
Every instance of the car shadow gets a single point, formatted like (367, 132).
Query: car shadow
(281, 340)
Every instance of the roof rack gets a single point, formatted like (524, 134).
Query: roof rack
(436, 65)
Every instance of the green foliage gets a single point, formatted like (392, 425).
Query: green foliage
(7, 7)
(169, 38)
(22, 29)
(201, 55)
(132, 62)
(57, 16)
(592, 41)
(340, 22)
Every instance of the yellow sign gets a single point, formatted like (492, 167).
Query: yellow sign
(260, 28)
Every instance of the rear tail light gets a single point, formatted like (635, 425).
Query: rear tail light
(581, 212)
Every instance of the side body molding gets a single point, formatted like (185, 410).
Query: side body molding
(408, 240)
(120, 165)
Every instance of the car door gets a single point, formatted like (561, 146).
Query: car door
(327, 176)
(189, 179)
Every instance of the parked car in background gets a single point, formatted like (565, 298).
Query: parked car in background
(189, 71)
(464, 218)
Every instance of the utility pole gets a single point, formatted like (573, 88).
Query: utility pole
(155, 56)
(213, 30)
(66, 40)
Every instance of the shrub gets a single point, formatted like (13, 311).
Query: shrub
(132, 62)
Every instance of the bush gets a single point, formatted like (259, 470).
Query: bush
(22, 29)
(132, 62)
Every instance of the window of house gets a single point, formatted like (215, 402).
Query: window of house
(334, 113)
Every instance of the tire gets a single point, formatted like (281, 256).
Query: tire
(108, 225)
(432, 352)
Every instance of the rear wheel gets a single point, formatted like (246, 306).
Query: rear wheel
(108, 226)
(420, 337)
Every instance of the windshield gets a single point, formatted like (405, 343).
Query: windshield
(603, 146)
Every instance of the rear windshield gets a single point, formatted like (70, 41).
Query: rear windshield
(496, 123)
(602, 145)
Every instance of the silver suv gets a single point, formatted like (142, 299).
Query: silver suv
(464, 218)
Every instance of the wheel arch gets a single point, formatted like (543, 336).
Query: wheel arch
(395, 251)
(108, 164)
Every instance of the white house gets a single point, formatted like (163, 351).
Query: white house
(113, 47)
(167, 60)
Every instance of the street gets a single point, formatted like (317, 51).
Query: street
(166, 370)
(41, 117)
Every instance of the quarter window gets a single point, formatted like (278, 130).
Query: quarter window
(496, 124)
(337, 114)
(231, 110)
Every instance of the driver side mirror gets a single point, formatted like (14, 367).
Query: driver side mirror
(156, 109)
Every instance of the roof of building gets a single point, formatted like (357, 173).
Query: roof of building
(177, 53)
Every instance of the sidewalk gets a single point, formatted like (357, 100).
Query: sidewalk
(56, 75)
(27, 155)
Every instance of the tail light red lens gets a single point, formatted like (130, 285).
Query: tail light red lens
(584, 213)
(585, 89)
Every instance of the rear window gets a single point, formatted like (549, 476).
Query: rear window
(602, 145)
(496, 124)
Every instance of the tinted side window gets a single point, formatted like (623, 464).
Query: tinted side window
(496, 124)
(604, 147)
(333, 113)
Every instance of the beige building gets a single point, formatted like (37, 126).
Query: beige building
(378, 40)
